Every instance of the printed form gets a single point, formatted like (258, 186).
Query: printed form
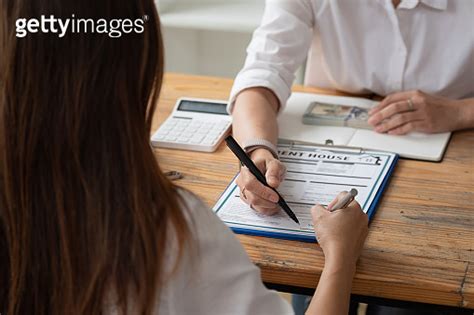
(315, 175)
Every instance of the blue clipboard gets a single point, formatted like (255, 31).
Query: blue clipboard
(249, 230)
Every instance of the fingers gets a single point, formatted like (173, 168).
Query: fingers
(336, 200)
(392, 98)
(252, 185)
(355, 206)
(258, 204)
(275, 173)
(257, 188)
(361, 216)
(406, 128)
(318, 210)
(396, 116)
(258, 196)
(398, 120)
(261, 204)
(317, 213)
(389, 111)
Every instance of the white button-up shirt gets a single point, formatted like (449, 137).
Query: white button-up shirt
(363, 47)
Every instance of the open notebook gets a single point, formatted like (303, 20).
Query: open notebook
(415, 145)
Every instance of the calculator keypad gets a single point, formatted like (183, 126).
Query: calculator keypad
(191, 131)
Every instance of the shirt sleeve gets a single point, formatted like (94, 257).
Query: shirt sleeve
(219, 278)
(278, 47)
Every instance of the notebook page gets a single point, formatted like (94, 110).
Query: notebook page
(413, 146)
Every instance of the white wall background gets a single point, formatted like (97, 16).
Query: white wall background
(209, 37)
(202, 52)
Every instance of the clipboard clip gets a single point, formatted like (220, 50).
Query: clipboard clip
(329, 144)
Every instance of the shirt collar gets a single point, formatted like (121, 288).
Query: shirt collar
(411, 4)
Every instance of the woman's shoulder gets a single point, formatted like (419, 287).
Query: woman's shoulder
(203, 222)
(216, 265)
(193, 207)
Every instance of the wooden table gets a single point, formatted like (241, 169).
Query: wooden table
(421, 240)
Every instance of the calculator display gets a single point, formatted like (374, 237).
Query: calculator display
(203, 107)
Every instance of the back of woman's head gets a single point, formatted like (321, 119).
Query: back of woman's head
(84, 208)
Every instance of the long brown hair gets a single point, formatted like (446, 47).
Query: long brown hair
(85, 209)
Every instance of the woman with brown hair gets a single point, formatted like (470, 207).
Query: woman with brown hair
(88, 222)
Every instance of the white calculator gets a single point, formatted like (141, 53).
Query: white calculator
(194, 124)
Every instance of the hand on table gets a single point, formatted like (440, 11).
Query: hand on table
(254, 193)
(403, 112)
(341, 233)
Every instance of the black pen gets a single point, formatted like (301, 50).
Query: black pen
(245, 159)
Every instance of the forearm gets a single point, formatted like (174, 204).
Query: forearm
(466, 113)
(254, 115)
(333, 292)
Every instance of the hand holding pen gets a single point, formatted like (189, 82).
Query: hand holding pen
(343, 200)
(262, 198)
(341, 234)
(247, 162)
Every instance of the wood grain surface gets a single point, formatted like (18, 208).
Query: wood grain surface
(421, 239)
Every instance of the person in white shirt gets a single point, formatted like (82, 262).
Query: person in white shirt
(419, 54)
(89, 224)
